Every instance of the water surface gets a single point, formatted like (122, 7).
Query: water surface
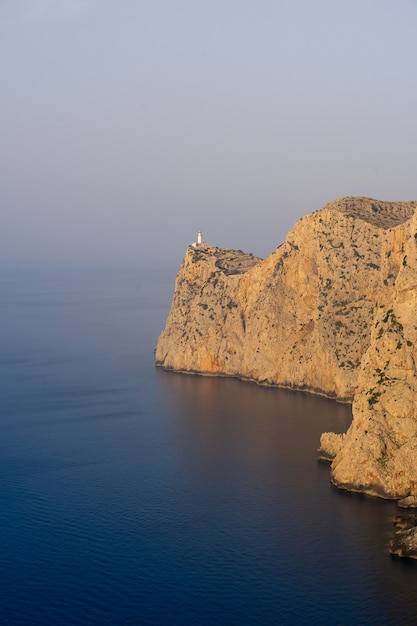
(131, 495)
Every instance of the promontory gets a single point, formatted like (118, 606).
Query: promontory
(332, 311)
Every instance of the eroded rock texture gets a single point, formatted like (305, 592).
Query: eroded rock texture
(331, 311)
(404, 543)
(378, 454)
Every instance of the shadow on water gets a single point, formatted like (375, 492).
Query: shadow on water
(131, 495)
(251, 452)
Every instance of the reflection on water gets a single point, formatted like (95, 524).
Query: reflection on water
(249, 456)
(131, 495)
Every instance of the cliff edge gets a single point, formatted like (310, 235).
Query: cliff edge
(331, 311)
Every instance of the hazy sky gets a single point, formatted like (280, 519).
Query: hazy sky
(127, 125)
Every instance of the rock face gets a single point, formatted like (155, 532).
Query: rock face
(332, 311)
(378, 454)
(404, 543)
(409, 502)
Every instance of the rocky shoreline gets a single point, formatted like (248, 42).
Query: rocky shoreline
(404, 543)
(332, 311)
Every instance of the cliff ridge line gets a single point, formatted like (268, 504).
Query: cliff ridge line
(309, 317)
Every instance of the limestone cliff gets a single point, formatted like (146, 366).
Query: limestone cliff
(330, 312)
(378, 454)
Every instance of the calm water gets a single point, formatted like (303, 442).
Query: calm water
(130, 495)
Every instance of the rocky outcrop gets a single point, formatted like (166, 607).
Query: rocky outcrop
(378, 454)
(332, 311)
(404, 543)
(409, 502)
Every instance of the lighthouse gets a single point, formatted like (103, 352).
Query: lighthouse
(199, 241)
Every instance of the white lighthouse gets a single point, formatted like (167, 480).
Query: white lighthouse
(199, 241)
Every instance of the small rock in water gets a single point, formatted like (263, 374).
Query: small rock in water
(405, 543)
(410, 502)
(403, 522)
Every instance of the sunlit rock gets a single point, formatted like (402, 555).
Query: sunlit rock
(332, 311)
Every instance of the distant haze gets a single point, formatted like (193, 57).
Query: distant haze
(128, 126)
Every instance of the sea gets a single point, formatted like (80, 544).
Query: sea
(133, 495)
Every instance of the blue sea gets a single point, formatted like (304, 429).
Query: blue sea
(131, 495)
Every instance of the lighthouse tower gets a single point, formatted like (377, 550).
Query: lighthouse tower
(199, 241)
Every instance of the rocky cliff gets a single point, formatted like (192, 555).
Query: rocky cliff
(332, 311)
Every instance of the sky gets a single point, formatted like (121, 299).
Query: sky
(128, 125)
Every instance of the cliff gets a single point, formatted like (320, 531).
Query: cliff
(331, 311)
